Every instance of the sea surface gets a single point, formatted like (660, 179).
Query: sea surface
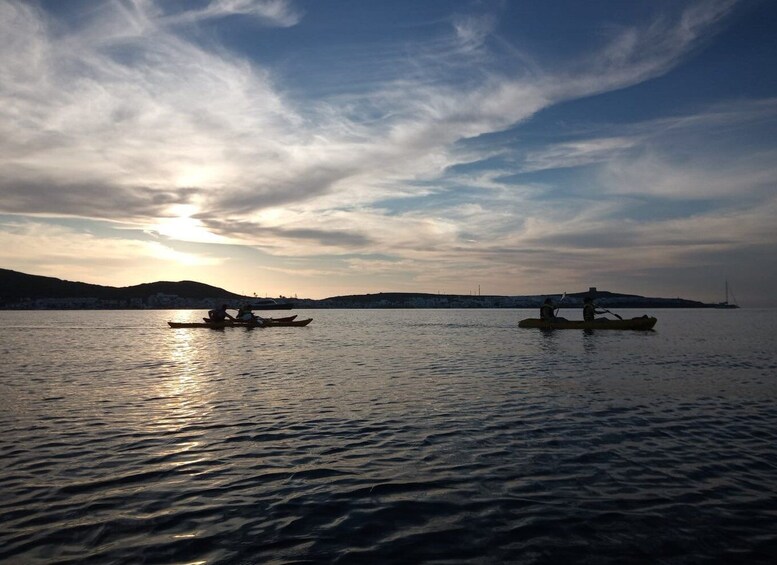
(387, 436)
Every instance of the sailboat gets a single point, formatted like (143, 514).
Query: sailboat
(726, 303)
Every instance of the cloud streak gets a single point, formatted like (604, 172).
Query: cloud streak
(280, 13)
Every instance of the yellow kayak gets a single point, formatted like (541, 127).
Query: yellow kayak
(643, 323)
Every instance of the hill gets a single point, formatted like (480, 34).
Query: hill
(23, 291)
(426, 300)
(16, 288)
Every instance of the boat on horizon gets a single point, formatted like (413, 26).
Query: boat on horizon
(726, 304)
(270, 304)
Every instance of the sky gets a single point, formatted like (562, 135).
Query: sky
(317, 148)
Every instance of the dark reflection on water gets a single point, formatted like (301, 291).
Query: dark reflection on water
(387, 436)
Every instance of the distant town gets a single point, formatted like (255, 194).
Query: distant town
(20, 291)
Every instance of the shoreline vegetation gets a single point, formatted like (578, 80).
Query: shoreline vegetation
(21, 291)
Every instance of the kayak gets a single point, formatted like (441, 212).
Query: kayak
(269, 323)
(230, 324)
(643, 323)
(243, 322)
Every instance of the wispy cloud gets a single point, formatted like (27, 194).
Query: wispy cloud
(636, 53)
(578, 153)
(473, 31)
(281, 13)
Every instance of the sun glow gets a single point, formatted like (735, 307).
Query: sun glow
(181, 226)
(197, 176)
(164, 253)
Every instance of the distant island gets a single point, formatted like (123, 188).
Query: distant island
(20, 291)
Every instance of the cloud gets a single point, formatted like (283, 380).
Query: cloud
(266, 237)
(657, 174)
(634, 54)
(578, 153)
(472, 31)
(46, 249)
(86, 110)
(89, 199)
(715, 154)
(142, 107)
(280, 13)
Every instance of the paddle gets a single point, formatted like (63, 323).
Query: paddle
(613, 313)
(563, 296)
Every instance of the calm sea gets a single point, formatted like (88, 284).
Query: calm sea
(387, 436)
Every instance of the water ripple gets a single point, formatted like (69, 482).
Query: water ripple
(392, 437)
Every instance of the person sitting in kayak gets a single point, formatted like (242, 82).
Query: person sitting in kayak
(245, 314)
(548, 312)
(219, 314)
(589, 310)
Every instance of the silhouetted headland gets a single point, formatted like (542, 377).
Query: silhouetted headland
(20, 291)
